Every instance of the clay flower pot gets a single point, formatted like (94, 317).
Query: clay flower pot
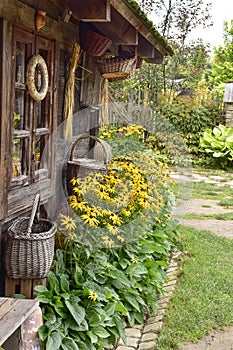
(40, 19)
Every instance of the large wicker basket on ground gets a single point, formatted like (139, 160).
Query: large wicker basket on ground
(80, 167)
(30, 246)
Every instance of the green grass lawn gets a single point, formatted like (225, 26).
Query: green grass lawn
(211, 191)
(204, 295)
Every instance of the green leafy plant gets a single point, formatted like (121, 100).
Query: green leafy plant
(112, 259)
(219, 143)
(93, 293)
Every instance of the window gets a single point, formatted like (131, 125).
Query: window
(32, 120)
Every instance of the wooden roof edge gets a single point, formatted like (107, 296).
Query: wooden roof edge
(144, 25)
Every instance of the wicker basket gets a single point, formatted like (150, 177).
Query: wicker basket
(81, 167)
(30, 246)
(117, 68)
(93, 42)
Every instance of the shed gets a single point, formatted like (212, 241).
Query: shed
(46, 31)
(228, 100)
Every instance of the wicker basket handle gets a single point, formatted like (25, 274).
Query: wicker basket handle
(33, 214)
(85, 136)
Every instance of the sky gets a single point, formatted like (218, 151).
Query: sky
(222, 10)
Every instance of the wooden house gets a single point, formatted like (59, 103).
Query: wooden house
(31, 110)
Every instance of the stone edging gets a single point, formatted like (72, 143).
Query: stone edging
(144, 337)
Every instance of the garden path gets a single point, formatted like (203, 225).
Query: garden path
(144, 337)
(217, 339)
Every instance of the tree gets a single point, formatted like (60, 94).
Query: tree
(177, 19)
(221, 65)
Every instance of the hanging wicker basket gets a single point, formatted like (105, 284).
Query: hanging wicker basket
(30, 246)
(117, 68)
(81, 167)
(93, 42)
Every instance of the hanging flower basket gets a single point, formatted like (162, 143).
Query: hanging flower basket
(30, 246)
(117, 68)
(79, 167)
(93, 42)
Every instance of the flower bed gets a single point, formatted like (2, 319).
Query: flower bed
(113, 259)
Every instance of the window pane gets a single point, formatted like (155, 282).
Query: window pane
(40, 156)
(20, 63)
(20, 157)
(19, 110)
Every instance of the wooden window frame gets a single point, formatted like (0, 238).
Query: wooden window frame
(21, 196)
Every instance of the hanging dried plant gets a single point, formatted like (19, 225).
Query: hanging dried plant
(69, 93)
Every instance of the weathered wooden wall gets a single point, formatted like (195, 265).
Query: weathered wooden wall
(17, 202)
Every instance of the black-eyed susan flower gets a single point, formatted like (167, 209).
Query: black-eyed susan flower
(67, 222)
(92, 295)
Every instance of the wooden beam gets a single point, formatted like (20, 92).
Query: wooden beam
(145, 48)
(88, 10)
(119, 30)
(157, 59)
(136, 22)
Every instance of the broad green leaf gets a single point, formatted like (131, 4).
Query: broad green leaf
(69, 344)
(62, 311)
(120, 277)
(54, 341)
(120, 326)
(121, 308)
(78, 312)
(93, 337)
(132, 301)
(110, 308)
(95, 320)
(64, 283)
(100, 332)
(45, 297)
(56, 301)
(136, 270)
(50, 315)
(53, 282)
(82, 345)
(43, 332)
(40, 289)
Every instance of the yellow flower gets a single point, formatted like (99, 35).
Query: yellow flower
(75, 181)
(121, 239)
(134, 261)
(92, 295)
(126, 212)
(108, 241)
(72, 236)
(89, 218)
(112, 229)
(68, 222)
